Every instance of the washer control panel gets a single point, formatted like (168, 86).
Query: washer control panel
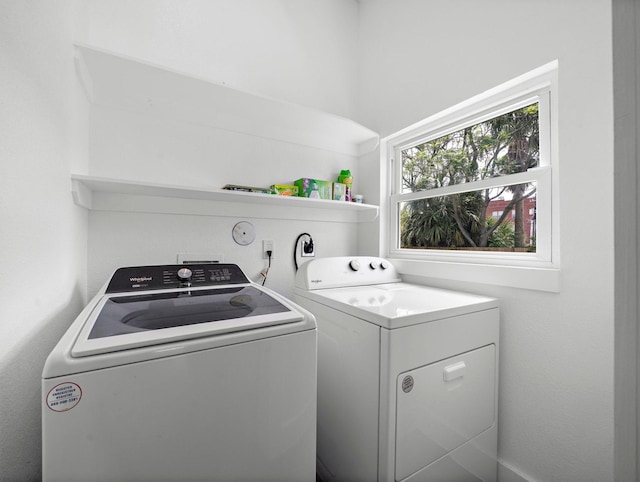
(339, 272)
(139, 278)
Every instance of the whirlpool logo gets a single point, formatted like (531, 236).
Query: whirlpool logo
(140, 279)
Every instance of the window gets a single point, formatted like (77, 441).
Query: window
(474, 183)
(495, 148)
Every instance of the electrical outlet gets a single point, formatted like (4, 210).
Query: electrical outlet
(307, 248)
(267, 245)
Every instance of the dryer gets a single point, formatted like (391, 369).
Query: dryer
(182, 373)
(407, 375)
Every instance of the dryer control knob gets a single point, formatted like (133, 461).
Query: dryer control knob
(354, 264)
(184, 274)
(384, 264)
(373, 265)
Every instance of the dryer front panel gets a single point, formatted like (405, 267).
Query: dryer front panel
(443, 405)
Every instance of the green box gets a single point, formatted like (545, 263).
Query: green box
(314, 188)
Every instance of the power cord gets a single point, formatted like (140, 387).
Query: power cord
(265, 271)
(308, 247)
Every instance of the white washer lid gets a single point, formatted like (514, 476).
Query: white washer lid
(122, 321)
(394, 305)
(174, 341)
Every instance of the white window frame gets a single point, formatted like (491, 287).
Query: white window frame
(539, 270)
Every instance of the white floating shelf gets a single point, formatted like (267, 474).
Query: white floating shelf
(122, 82)
(106, 194)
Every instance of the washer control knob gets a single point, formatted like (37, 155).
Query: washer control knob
(184, 274)
(384, 264)
(373, 265)
(354, 264)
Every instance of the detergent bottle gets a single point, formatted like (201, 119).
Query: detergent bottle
(345, 178)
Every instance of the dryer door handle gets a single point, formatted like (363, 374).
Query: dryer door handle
(451, 372)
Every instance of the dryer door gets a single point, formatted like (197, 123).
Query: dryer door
(443, 405)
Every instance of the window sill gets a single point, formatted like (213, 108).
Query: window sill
(530, 278)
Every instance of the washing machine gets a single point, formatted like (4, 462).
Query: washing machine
(407, 375)
(181, 372)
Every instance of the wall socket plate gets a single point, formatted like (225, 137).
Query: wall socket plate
(267, 245)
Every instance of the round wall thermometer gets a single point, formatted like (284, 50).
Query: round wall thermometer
(243, 233)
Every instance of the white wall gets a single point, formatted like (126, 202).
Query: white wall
(133, 239)
(43, 234)
(153, 148)
(138, 147)
(297, 51)
(556, 361)
(302, 51)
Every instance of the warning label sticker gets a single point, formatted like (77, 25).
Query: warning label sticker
(64, 396)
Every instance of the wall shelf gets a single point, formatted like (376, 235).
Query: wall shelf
(119, 82)
(104, 194)
(125, 83)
